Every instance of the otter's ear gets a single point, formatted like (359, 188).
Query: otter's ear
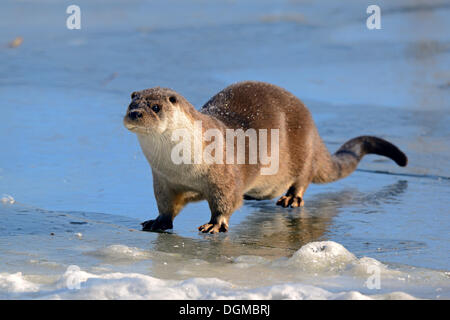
(134, 95)
(173, 99)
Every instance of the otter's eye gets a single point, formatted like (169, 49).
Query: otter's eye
(173, 99)
(156, 108)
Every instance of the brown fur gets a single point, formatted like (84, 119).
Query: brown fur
(303, 156)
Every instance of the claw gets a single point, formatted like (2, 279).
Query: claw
(213, 228)
(292, 201)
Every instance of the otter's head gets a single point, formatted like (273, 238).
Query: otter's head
(153, 110)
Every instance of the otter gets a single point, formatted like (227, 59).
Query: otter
(155, 114)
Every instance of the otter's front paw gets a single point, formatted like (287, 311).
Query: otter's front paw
(290, 201)
(156, 225)
(213, 228)
(147, 225)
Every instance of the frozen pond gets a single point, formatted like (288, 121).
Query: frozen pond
(75, 185)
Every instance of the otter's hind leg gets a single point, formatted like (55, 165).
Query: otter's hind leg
(293, 197)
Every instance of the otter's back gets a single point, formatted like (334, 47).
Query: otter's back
(253, 104)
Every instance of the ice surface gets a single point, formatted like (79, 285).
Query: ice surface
(6, 198)
(120, 252)
(113, 261)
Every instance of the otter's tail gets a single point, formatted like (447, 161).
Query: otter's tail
(339, 165)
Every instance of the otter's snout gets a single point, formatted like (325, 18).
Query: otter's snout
(133, 115)
(134, 111)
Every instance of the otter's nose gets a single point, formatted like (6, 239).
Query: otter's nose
(133, 115)
(133, 105)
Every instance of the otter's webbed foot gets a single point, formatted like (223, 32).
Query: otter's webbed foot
(213, 228)
(158, 224)
(290, 201)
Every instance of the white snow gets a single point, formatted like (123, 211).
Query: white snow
(139, 286)
(325, 260)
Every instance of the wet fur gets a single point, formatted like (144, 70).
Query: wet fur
(304, 159)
